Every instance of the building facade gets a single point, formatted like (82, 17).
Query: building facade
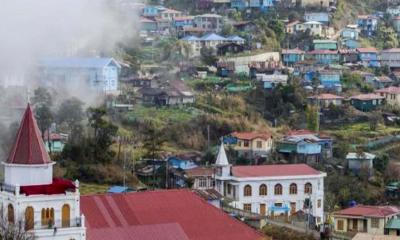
(271, 190)
(46, 207)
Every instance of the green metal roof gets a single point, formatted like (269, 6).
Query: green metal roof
(393, 224)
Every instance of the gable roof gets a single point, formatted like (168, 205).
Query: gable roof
(212, 37)
(369, 211)
(367, 96)
(28, 147)
(326, 96)
(292, 51)
(235, 38)
(273, 170)
(390, 90)
(76, 62)
(367, 50)
(160, 215)
(190, 38)
(251, 135)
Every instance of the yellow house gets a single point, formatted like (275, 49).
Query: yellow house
(365, 219)
(253, 144)
(391, 95)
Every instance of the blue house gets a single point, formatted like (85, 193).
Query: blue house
(152, 11)
(99, 74)
(292, 56)
(351, 43)
(183, 164)
(368, 24)
(329, 79)
(305, 146)
(325, 57)
(368, 57)
(350, 32)
(239, 4)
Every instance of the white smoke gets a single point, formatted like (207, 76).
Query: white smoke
(35, 29)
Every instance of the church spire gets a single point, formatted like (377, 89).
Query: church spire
(28, 147)
(222, 159)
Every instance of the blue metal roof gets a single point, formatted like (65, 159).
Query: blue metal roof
(235, 38)
(190, 38)
(118, 189)
(213, 37)
(78, 62)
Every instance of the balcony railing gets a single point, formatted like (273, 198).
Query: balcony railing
(57, 224)
(7, 188)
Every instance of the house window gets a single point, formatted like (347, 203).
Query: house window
(202, 182)
(47, 216)
(66, 212)
(229, 188)
(247, 207)
(278, 204)
(239, 143)
(247, 191)
(375, 222)
(10, 214)
(29, 218)
(246, 143)
(293, 188)
(278, 189)
(340, 225)
(259, 144)
(263, 190)
(308, 188)
(319, 203)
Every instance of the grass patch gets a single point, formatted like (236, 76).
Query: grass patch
(92, 188)
(162, 115)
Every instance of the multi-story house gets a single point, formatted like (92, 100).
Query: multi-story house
(324, 57)
(368, 57)
(391, 95)
(396, 23)
(330, 79)
(367, 219)
(368, 24)
(209, 22)
(183, 22)
(46, 207)
(271, 190)
(292, 56)
(390, 57)
(98, 74)
(252, 144)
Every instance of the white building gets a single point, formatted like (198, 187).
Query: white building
(271, 189)
(47, 208)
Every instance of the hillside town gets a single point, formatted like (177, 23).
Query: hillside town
(200, 120)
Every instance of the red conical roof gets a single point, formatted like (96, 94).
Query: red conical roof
(28, 146)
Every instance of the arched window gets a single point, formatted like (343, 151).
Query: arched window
(10, 214)
(65, 215)
(48, 216)
(263, 190)
(293, 188)
(247, 191)
(278, 189)
(308, 188)
(29, 218)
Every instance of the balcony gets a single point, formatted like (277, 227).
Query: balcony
(58, 224)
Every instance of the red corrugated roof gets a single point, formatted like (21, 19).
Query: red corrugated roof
(274, 170)
(28, 147)
(251, 135)
(369, 211)
(367, 50)
(111, 214)
(390, 90)
(300, 132)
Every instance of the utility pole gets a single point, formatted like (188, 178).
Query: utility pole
(124, 167)
(208, 137)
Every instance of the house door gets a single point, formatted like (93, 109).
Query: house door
(29, 218)
(66, 216)
(292, 208)
(262, 209)
(355, 224)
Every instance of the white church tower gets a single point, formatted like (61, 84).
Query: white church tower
(223, 169)
(46, 207)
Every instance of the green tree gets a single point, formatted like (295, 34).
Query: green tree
(70, 112)
(312, 118)
(381, 162)
(153, 140)
(208, 56)
(42, 97)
